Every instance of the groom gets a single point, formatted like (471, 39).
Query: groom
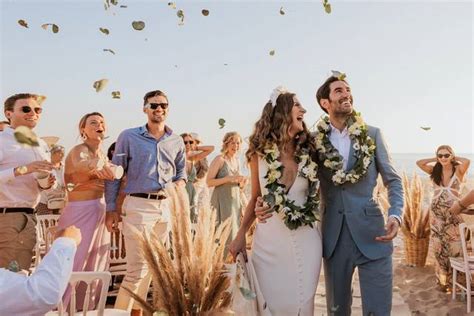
(351, 156)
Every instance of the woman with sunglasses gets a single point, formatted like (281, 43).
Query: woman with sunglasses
(86, 169)
(447, 173)
(194, 154)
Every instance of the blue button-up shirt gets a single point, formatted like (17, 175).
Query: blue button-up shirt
(148, 163)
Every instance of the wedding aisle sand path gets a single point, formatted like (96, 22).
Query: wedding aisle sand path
(415, 291)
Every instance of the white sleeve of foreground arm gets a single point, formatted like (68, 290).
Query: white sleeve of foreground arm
(42, 291)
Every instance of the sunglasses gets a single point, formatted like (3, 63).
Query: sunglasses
(444, 156)
(154, 106)
(190, 142)
(27, 109)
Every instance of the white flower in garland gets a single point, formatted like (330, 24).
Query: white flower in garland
(363, 145)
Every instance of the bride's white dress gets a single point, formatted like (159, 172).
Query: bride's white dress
(287, 262)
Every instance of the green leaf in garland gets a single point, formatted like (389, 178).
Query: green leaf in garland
(138, 25)
(23, 23)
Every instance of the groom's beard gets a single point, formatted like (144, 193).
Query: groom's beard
(341, 111)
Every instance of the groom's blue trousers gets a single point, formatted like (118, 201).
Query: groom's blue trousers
(375, 277)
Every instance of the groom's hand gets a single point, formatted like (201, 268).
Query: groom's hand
(391, 228)
(261, 210)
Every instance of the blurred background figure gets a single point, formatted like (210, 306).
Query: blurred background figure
(194, 155)
(3, 125)
(200, 185)
(447, 174)
(224, 175)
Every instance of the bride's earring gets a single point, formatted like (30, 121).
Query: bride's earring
(84, 137)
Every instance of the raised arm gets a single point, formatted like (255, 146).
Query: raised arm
(463, 166)
(200, 153)
(424, 164)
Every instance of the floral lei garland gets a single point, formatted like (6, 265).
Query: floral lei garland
(363, 145)
(293, 215)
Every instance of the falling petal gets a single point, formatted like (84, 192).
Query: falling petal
(70, 186)
(221, 123)
(83, 155)
(272, 53)
(205, 12)
(104, 30)
(26, 136)
(172, 5)
(108, 50)
(339, 75)
(115, 94)
(124, 6)
(427, 128)
(23, 23)
(100, 164)
(281, 11)
(114, 2)
(54, 27)
(138, 25)
(327, 6)
(99, 85)
(225, 64)
(180, 15)
(40, 99)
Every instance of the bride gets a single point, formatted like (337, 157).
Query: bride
(286, 249)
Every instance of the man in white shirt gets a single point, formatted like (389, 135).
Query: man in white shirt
(42, 291)
(19, 189)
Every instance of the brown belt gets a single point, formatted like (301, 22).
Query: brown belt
(27, 210)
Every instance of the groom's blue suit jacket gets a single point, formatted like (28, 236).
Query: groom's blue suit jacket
(355, 201)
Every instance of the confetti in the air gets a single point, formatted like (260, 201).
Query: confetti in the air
(221, 123)
(99, 85)
(138, 25)
(23, 23)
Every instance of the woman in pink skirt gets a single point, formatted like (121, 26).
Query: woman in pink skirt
(85, 171)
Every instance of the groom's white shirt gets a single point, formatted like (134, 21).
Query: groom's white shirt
(342, 142)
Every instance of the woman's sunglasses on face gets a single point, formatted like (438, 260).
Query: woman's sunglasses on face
(27, 109)
(190, 142)
(154, 106)
(444, 156)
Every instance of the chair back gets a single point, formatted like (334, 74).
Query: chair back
(88, 278)
(466, 232)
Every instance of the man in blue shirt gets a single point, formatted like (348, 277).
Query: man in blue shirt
(153, 157)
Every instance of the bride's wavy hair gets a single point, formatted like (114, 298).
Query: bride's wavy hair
(273, 127)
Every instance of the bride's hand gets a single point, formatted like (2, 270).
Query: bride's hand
(262, 210)
(238, 245)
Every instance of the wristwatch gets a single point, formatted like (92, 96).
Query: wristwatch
(21, 170)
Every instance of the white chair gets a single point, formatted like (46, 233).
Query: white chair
(464, 264)
(118, 257)
(89, 278)
(45, 231)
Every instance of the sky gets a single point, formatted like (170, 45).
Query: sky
(409, 64)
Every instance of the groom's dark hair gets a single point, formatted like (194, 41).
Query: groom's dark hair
(324, 91)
